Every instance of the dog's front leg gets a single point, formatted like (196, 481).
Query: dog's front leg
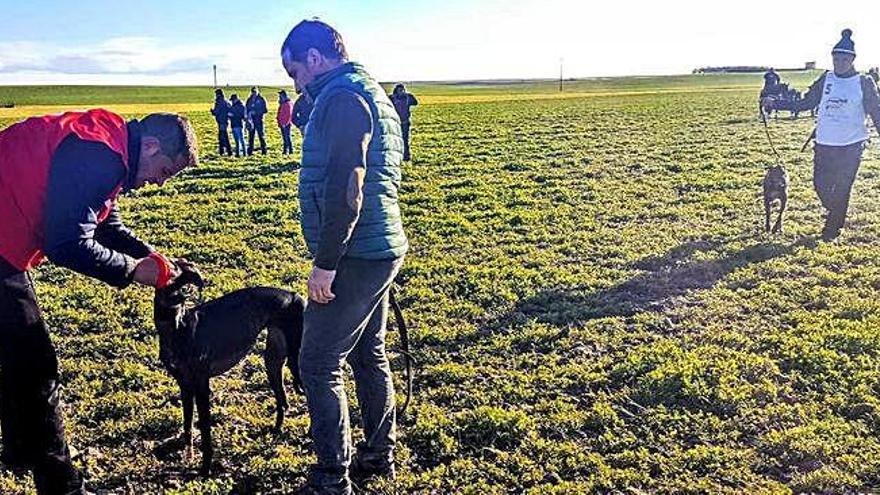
(767, 205)
(186, 397)
(203, 403)
(783, 201)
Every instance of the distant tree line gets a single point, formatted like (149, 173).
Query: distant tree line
(747, 69)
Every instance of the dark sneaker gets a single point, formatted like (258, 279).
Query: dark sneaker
(360, 470)
(830, 233)
(308, 489)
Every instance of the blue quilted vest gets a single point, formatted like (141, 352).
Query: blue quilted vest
(378, 234)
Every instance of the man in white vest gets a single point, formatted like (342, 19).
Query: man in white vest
(845, 99)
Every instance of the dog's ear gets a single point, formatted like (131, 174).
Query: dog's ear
(190, 275)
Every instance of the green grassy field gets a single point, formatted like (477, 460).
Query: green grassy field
(593, 305)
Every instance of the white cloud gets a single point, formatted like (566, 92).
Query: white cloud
(137, 61)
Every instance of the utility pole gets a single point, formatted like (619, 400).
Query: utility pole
(215, 76)
(560, 74)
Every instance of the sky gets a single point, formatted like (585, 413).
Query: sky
(178, 42)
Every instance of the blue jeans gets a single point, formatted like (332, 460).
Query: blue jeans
(285, 137)
(239, 141)
(349, 328)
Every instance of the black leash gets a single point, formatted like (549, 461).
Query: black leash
(408, 359)
(769, 138)
(810, 138)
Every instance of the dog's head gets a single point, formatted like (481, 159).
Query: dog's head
(776, 177)
(176, 292)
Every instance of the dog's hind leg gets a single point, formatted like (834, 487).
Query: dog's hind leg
(203, 403)
(276, 353)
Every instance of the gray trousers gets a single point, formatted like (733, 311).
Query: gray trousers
(349, 328)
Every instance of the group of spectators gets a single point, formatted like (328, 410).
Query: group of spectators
(249, 115)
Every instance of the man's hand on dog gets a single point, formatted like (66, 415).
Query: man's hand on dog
(320, 282)
(147, 270)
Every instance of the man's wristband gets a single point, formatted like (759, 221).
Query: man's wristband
(165, 272)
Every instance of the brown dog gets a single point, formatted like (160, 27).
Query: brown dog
(775, 188)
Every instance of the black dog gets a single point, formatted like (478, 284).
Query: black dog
(775, 187)
(209, 339)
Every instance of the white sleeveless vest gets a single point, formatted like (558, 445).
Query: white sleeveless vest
(841, 112)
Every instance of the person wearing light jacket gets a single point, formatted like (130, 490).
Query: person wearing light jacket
(845, 99)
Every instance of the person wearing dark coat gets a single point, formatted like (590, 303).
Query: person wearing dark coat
(221, 116)
(60, 177)
(302, 109)
(256, 109)
(402, 101)
(845, 99)
(348, 191)
(237, 116)
(771, 81)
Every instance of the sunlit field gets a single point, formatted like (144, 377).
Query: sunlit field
(593, 304)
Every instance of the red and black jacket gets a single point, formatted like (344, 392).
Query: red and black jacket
(60, 176)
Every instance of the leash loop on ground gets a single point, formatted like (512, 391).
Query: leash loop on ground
(404, 344)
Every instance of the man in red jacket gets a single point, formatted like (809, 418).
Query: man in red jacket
(60, 176)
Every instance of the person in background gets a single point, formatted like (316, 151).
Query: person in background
(301, 111)
(221, 116)
(256, 109)
(237, 115)
(284, 118)
(60, 176)
(403, 101)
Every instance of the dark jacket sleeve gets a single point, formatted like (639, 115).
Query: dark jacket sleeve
(812, 98)
(349, 128)
(113, 234)
(82, 176)
(871, 100)
(413, 101)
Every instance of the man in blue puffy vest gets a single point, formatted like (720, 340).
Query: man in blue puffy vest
(348, 189)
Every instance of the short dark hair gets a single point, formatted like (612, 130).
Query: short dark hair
(175, 134)
(317, 34)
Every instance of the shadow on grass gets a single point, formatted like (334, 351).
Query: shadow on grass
(663, 280)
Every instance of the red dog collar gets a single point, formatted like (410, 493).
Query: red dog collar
(165, 271)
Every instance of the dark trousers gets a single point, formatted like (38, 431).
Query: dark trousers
(257, 129)
(404, 126)
(350, 328)
(834, 171)
(285, 137)
(30, 408)
(223, 141)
